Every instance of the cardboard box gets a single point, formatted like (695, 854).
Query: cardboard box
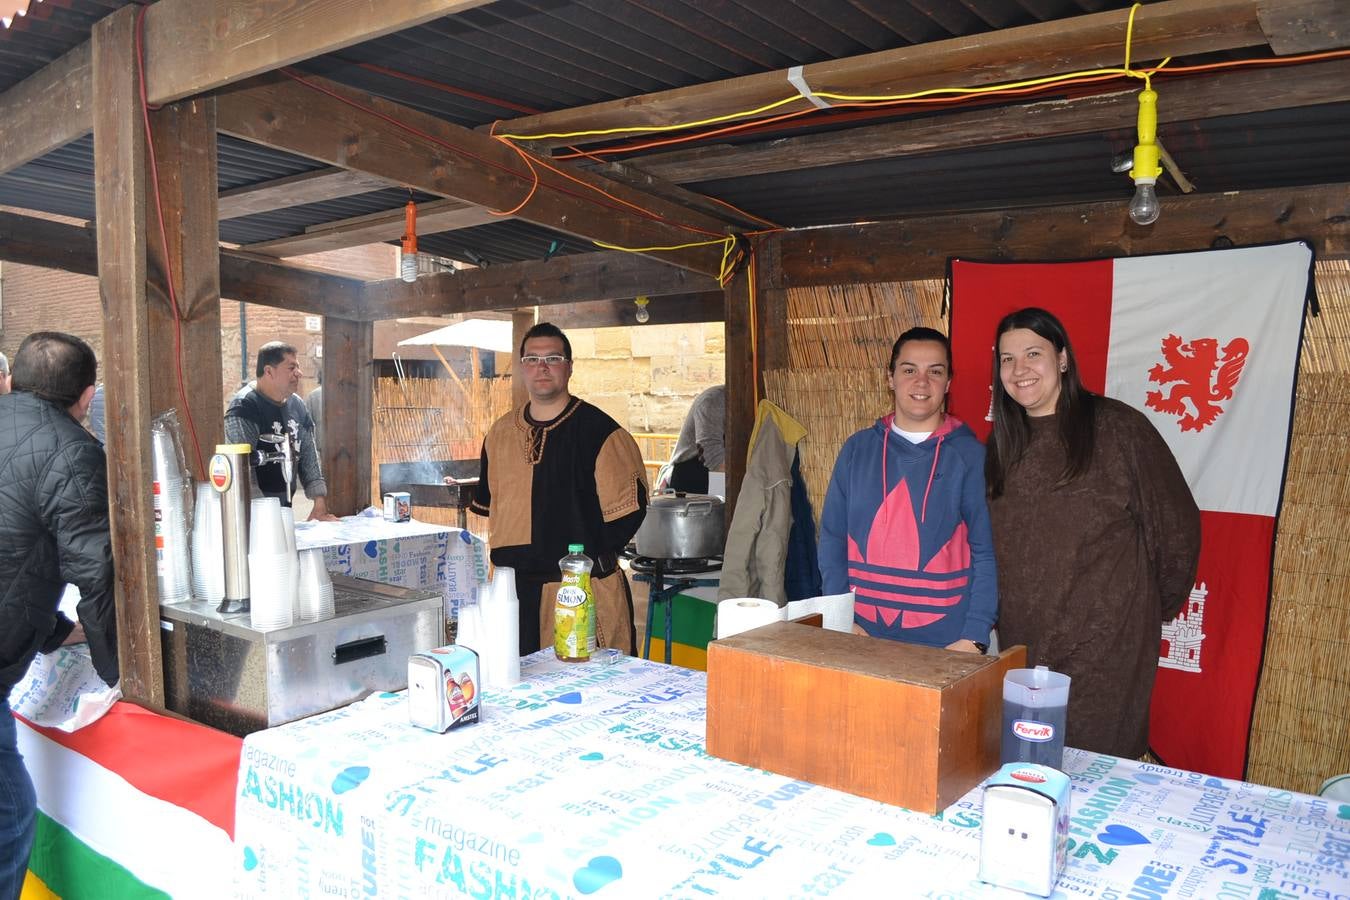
(1025, 838)
(912, 726)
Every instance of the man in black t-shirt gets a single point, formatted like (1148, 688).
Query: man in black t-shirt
(270, 406)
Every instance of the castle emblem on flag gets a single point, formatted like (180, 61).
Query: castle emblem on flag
(1192, 364)
(1183, 635)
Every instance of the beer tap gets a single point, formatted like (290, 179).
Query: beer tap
(285, 453)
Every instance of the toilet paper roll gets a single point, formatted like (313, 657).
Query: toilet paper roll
(835, 609)
(743, 613)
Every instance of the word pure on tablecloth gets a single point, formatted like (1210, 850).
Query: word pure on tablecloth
(590, 779)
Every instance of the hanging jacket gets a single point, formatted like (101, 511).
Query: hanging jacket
(906, 528)
(755, 558)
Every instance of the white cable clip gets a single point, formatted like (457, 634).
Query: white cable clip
(798, 80)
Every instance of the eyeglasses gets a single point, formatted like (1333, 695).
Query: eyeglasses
(551, 361)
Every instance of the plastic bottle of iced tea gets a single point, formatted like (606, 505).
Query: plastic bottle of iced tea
(574, 612)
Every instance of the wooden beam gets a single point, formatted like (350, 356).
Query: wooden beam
(267, 282)
(767, 315)
(1183, 99)
(120, 198)
(918, 248)
(672, 309)
(349, 377)
(341, 126)
(47, 110)
(432, 218)
(1306, 26)
(521, 322)
(184, 136)
(296, 190)
(1167, 28)
(193, 46)
(573, 278)
(264, 281)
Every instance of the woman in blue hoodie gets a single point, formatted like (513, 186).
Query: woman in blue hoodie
(905, 524)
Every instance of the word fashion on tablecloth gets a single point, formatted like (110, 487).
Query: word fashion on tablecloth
(592, 780)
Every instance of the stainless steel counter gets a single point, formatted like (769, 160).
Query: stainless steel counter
(221, 671)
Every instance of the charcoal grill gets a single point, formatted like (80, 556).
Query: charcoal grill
(424, 482)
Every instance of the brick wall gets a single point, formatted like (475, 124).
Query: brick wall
(36, 299)
(645, 377)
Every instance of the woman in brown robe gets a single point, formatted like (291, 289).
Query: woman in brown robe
(1096, 534)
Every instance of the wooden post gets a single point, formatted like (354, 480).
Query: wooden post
(745, 370)
(184, 136)
(348, 373)
(119, 198)
(522, 320)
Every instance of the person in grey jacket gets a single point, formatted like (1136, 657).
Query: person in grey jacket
(53, 531)
(270, 405)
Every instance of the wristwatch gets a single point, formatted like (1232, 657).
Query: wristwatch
(983, 648)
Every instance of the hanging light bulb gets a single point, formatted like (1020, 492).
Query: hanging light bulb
(643, 316)
(407, 264)
(1144, 207)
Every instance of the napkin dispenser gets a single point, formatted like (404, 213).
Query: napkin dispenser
(1024, 841)
(912, 726)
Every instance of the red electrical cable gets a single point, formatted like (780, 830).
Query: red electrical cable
(752, 126)
(164, 242)
(618, 203)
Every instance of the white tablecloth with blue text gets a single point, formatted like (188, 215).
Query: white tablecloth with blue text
(418, 555)
(591, 780)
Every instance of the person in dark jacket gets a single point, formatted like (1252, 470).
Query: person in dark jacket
(53, 532)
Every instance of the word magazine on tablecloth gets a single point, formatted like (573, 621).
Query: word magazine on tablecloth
(591, 780)
(1206, 346)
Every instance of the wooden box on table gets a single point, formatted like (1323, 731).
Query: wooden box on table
(912, 726)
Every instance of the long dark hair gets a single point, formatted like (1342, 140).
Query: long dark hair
(1076, 408)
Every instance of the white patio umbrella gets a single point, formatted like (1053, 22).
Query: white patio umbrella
(485, 334)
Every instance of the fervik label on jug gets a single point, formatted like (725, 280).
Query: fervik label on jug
(1040, 732)
(220, 472)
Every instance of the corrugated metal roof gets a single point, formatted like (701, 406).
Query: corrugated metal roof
(514, 57)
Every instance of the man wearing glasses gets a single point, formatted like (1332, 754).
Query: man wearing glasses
(558, 471)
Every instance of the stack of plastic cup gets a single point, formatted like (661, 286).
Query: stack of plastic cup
(315, 595)
(172, 512)
(208, 546)
(288, 531)
(269, 566)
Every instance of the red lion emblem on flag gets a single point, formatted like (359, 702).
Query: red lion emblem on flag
(1193, 365)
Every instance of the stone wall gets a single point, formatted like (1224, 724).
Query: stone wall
(646, 376)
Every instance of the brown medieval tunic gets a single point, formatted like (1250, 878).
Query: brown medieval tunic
(1089, 571)
(576, 479)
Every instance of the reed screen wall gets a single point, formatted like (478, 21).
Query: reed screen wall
(839, 340)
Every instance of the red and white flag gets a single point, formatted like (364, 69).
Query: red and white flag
(1206, 345)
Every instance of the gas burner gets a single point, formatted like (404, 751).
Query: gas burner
(646, 565)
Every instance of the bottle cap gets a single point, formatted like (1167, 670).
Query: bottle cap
(575, 548)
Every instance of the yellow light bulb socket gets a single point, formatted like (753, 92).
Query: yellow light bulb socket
(1146, 155)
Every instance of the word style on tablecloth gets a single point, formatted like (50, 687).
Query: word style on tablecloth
(591, 780)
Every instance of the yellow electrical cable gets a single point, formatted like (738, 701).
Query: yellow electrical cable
(857, 98)
(655, 249)
(750, 113)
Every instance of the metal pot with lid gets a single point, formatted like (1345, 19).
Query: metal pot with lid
(682, 526)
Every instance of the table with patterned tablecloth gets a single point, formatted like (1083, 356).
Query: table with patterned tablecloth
(591, 779)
